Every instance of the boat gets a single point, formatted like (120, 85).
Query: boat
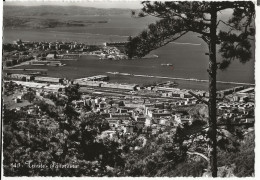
(167, 64)
(125, 74)
(35, 73)
(113, 72)
(56, 64)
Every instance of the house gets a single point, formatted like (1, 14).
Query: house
(113, 122)
(122, 110)
(180, 103)
(186, 121)
(120, 115)
(102, 104)
(128, 129)
(148, 122)
(105, 115)
(164, 121)
(140, 118)
(50, 56)
(250, 120)
(139, 124)
(108, 133)
(182, 119)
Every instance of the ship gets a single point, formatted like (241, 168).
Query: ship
(167, 64)
(56, 64)
(125, 74)
(113, 72)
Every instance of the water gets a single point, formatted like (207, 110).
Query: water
(188, 59)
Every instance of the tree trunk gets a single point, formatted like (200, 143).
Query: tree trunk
(212, 93)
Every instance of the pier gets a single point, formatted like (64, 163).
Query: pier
(26, 70)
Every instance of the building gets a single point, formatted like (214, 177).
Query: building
(128, 129)
(22, 77)
(48, 79)
(50, 56)
(115, 44)
(119, 86)
(120, 115)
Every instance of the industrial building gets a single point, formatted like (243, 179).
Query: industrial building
(22, 77)
(87, 83)
(94, 78)
(48, 79)
(115, 44)
(221, 94)
(120, 86)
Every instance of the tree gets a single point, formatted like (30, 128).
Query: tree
(178, 18)
(121, 103)
(29, 96)
(72, 92)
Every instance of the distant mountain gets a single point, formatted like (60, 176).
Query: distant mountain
(60, 10)
(38, 17)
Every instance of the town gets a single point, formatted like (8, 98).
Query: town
(129, 108)
(50, 53)
(129, 114)
(129, 89)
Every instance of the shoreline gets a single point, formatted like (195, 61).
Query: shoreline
(183, 79)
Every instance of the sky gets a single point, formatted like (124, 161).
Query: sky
(87, 3)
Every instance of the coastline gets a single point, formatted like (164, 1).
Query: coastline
(90, 66)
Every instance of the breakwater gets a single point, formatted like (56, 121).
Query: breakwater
(183, 79)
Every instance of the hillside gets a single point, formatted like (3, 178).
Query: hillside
(60, 10)
(37, 17)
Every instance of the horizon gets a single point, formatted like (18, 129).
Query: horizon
(91, 4)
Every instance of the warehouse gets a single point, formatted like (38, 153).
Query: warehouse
(22, 77)
(48, 79)
(95, 78)
(120, 86)
(87, 83)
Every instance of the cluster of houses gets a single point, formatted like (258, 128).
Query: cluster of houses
(136, 113)
(238, 112)
(21, 51)
(148, 118)
(58, 45)
(132, 115)
(239, 105)
(111, 53)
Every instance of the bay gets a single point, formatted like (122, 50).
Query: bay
(187, 54)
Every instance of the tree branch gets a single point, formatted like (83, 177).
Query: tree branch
(198, 97)
(199, 154)
(225, 23)
(235, 124)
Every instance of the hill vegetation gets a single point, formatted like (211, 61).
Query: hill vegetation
(61, 11)
(38, 17)
(55, 134)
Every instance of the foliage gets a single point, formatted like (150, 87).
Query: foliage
(39, 143)
(30, 95)
(10, 87)
(50, 110)
(244, 159)
(177, 19)
(160, 154)
(50, 141)
(72, 92)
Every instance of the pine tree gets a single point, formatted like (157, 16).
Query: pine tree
(178, 18)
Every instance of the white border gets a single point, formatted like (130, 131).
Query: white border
(257, 89)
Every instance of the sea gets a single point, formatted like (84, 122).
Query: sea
(187, 55)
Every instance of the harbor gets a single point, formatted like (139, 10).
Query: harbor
(183, 79)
